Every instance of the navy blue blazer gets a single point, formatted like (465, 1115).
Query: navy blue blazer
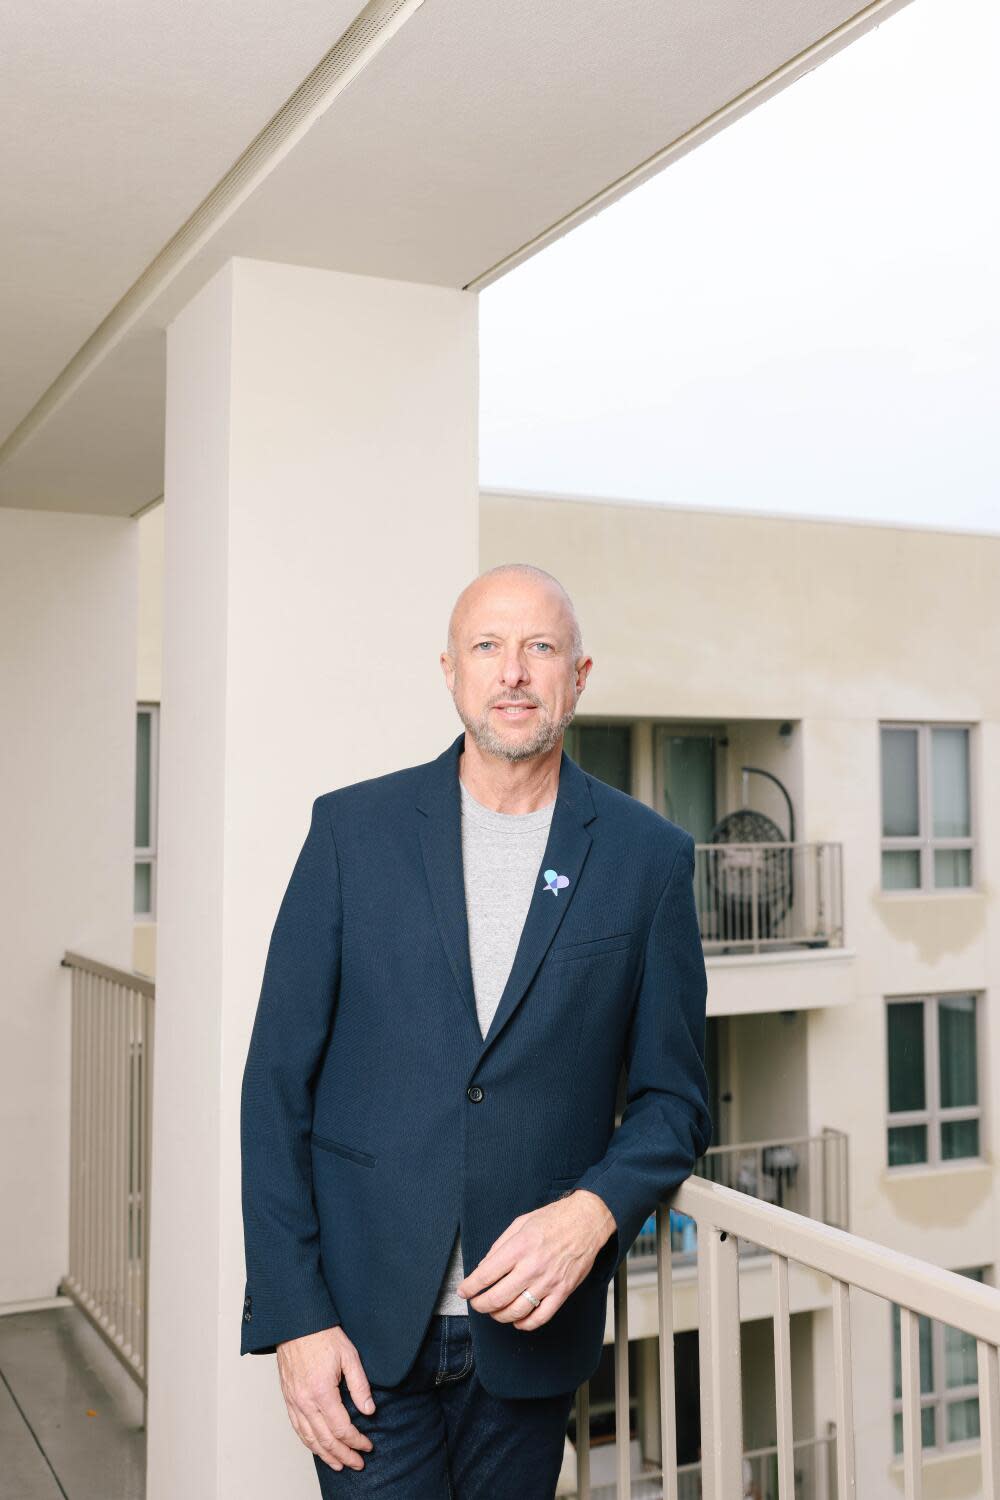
(375, 1117)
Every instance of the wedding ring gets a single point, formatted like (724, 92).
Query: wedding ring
(533, 1300)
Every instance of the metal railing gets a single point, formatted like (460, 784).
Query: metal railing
(755, 897)
(919, 1288)
(806, 1173)
(109, 1154)
(813, 1461)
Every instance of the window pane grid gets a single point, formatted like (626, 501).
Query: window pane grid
(931, 1053)
(926, 791)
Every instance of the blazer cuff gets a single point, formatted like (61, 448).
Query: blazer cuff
(268, 1322)
(613, 1188)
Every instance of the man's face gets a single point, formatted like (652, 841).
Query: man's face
(513, 676)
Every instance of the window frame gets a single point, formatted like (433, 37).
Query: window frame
(940, 1396)
(147, 854)
(933, 1115)
(924, 841)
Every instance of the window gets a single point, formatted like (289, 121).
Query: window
(949, 1400)
(933, 1081)
(685, 779)
(926, 807)
(605, 750)
(146, 763)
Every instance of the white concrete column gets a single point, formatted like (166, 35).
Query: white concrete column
(321, 514)
(67, 842)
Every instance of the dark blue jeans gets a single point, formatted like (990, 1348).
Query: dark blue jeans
(439, 1435)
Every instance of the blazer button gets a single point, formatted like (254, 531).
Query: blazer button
(246, 1317)
(475, 1093)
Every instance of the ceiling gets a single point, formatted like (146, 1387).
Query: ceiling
(430, 140)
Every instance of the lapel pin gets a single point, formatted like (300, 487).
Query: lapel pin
(555, 883)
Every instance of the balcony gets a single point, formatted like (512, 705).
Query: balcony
(769, 897)
(807, 1174)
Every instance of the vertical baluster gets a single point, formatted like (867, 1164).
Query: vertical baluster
(912, 1441)
(844, 1391)
(719, 1364)
(754, 901)
(135, 1291)
(783, 1377)
(101, 1153)
(87, 1285)
(668, 1407)
(989, 1417)
(130, 1177)
(622, 1395)
(149, 1014)
(818, 863)
(121, 1159)
(74, 1128)
(114, 1001)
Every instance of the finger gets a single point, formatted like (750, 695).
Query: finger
(505, 1301)
(538, 1316)
(357, 1383)
(497, 1261)
(338, 1455)
(332, 1425)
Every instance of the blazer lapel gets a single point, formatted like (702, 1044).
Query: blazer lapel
(566, 851)
(441, 845)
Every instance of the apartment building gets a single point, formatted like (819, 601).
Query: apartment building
(817, 702)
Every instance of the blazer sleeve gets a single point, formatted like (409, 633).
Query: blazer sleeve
(666, 1124)
(286, 1295)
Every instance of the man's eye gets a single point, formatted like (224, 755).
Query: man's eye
(544, 645)
(482, 643)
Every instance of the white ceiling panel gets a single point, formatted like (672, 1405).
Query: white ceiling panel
(116, 119)
(475, 134)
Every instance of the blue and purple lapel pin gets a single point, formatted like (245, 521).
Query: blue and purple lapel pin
(555, 883)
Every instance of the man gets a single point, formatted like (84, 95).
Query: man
(435, 1196)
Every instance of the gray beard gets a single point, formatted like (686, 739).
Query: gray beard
(547, 734)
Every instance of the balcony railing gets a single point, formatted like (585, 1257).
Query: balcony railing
(919, 1288)
(755, 897)
(806, 1173)
(109, 1154)
(813, 1475)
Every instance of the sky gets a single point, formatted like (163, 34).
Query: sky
(801, 316)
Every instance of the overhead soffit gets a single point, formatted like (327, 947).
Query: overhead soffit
(474, 134)
(116, 123)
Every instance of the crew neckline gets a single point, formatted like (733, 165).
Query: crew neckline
(510, 822)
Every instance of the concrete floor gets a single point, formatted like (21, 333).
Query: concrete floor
(70, 1416)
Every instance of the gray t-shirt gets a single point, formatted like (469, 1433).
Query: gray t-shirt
(502, 856)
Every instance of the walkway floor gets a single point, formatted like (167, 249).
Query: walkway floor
(70, 1416)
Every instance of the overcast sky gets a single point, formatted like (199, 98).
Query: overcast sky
(799, 316)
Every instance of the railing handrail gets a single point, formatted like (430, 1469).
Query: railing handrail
(924, 1288)
(781, 1140)
(141, 983)
(774, 844)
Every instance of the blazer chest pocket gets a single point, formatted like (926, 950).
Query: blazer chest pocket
(613, 942)
(363, 1158)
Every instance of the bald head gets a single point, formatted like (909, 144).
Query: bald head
(478, 590)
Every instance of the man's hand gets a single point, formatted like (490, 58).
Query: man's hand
(310, 1369)
(548, 1251)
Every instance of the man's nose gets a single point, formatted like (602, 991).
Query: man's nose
(513, 668)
